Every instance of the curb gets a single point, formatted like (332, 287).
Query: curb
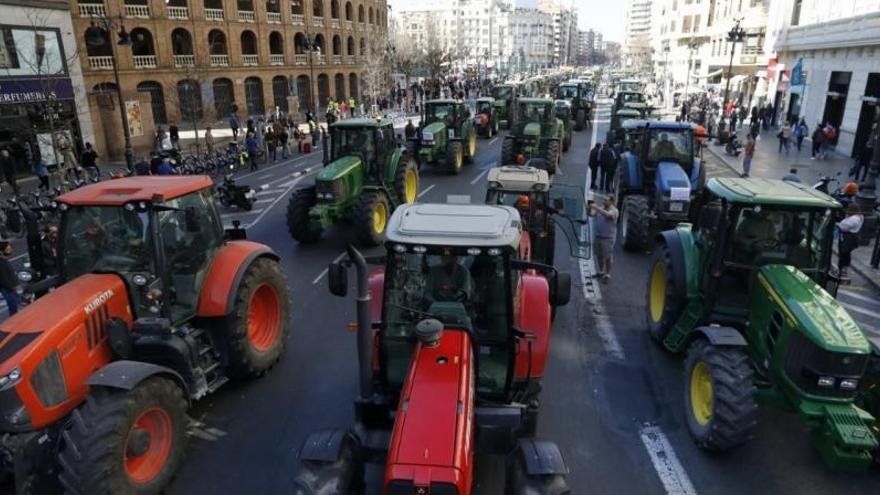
(722, 159)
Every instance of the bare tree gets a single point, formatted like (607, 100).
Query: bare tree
(406, 57)
(185, 85)
(436, 58)
(376, 65)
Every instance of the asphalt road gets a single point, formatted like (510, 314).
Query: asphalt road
(612, 399)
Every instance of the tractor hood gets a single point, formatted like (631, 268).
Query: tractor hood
(434, 129)
(338, 168)
(669, 175)
(532, 129)
(808, 307)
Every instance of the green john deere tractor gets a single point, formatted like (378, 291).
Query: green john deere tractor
(446, 135)
(538, 133)
(505, 95)
(563, 113)
(579, 94)
(366, 175)
(747, 291)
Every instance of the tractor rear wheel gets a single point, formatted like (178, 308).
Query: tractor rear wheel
(256, 330)
(719, 396)
(454, 157)
(373, 212)
(471, 151)
(520, 482)
(343, 476)
(665, 299)
(406, 179)
(552, 155)
(566, 142)
(508, 151)
(636, 223)
(298, 222)
(580, 120)
(125, 442)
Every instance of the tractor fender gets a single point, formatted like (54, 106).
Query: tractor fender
(634, 175)
(225, 274)
(541, 457)
(534, 317)
(394, 162)
(684, 258)
(324, 445)
(720, 336)
(126, 375)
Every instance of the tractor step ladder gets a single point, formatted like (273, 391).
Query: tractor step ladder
(209, 360)
(688, 320)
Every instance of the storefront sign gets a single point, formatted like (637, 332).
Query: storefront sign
(34, 90)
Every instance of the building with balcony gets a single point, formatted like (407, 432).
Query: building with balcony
(680, 34)
(637, 35)
(204, 60)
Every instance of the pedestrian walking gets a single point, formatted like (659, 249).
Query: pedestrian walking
(250, 143)
(848, 240)
(792, 176)
(271, 144)
(830, 136)
(89, 159)
(800, 132)
(608, 163)
(748, 154)
(283, 141)
(859, 170)
(38, 166)
(7, 164)
(209, 140)
(233, 123)
(784, 136)
(605, 228)
(594, 164)
(818, 138)
(733, 120)
(8, 279)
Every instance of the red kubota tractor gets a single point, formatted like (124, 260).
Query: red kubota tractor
(155, 305)
(452, 341)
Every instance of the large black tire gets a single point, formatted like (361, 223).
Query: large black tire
(344, 476)
(553, 155)
(580, 119)
(96, 455)
(470, 152)
(665, 297)
(373, 212)
(406, 179)
(719, 396)
(508, 151)
(256, 330)
(519, 482)
(298, 224)
(636, 223)
(454, 157)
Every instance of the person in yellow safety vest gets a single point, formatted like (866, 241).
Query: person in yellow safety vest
(352, 105)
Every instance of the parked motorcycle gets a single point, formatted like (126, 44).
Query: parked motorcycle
(230, 193)
(733, 146)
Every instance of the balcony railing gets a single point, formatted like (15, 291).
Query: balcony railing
(301, 59)
(214, 15)
(318, 21)
(337, 59)
(144, 61)
(178, 13)
(334, 23)
(101, 63)
(273, 17)
(246, 16)
(349, 25)
(92, 9)
(250, 59)
(276, 59)
(139, 11)
(184, 60)
(349, 59)
(319, 59)
(219, 60)
(298, 19)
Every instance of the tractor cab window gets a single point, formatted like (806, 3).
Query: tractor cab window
(567, 92)
(484, 107)
(666, 146)
(440, 113)
(464, 291)
(764, 235)
(531, 205)
(563, 110)
(104, 239)
(534, 113)
(356, 142)
(502, 92)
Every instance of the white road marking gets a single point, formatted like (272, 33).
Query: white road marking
(493, 141)
(860, 310)
(301, 176)
(672, 474)
(288, 162)
(324, 271)
(477, 178)
(263, 200)
(860, 297)
(425, 191)
(241, 212)
(267, 192)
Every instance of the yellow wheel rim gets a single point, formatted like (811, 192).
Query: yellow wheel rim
(410, 186)
(380, 217)
(459, 157)
(702, 397)
(472, 145)
(657, 291)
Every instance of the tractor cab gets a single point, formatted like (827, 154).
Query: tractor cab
(538, 133)
(534, 115)
(505, 95)
(563, 109)
(630, 85)
(630, 99)
(447, 135)
(486, 106)
(368, 143)
(542, 207)
(444, 111)
(485, 119)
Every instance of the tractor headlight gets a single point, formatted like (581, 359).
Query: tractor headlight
(48, 381)
(10, 379)
(826, 382)
(849, 384)
(330, 190)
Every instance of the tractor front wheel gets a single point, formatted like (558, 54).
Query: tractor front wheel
(665, 298)
(343, 476)
(471, 151)
(298, 221)
(373, 212)
(508, 151)
(520, 482)
(454, 157)
(552, 155)
(719, 396)
(580, 120)
(566, 142)
(406, 180)
(635, 222)
(125, 441)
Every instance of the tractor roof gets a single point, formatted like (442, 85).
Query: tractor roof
(442, 101)
(518, 178)
(117, 192)
(361, 122)
(770, 192)
(486, 98)
(540, 101)
(657, 124)
(462, 225)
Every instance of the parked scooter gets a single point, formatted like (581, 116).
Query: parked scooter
(733, 146)
(230, 193)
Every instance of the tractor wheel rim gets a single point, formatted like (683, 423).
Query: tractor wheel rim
(459, 157)
(411, 186)
(158, 426)
(472, 146)
(380, 217)
(658, 291)
(702, 395)
(264, 318)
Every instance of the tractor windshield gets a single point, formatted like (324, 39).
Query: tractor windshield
(468, 291)
(352, 141)
(567, 92)
(800, 238)
(671, 146)
(104, 238)
(534, 112)
(501, 92)
(625, 98)
(439, 112)
(484, 107)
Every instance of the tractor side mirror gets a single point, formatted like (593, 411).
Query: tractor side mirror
(191, 220)
(337, 279)
(561, 289)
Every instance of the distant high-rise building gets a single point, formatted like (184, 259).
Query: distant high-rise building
(637, 37)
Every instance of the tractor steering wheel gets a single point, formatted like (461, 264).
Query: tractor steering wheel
(766, 244)
(451, 293)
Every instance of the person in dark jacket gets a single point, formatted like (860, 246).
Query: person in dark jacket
(89, 160)
(8, 280)
(594, 164)
(174, 134)
(7, 164)
(608, 164)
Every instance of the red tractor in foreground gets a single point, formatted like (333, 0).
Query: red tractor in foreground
(452, 342)
(155, 306)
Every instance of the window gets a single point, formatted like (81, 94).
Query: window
(796, 12)
(33, 51)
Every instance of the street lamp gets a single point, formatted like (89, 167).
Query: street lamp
(692, 46)
(736, 35)
(310, 45)
(95, 37)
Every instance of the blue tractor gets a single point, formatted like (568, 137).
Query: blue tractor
(659, 173)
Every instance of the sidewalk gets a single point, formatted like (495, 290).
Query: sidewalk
(769, 163)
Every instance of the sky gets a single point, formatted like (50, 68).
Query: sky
(605, 16)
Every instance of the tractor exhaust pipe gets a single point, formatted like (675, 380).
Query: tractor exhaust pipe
(364, 324)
